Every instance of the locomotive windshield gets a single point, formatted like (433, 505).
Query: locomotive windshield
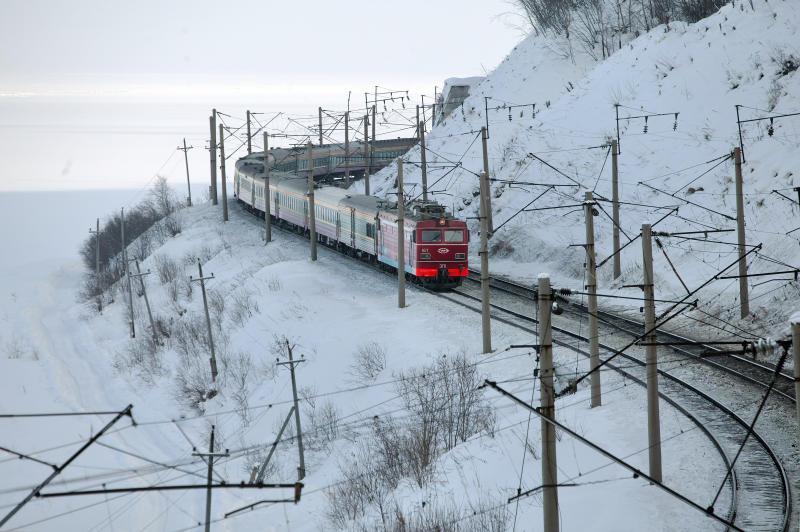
(453, 235)
(431, 235)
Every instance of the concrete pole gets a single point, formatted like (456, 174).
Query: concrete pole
(320, 126)
(423, 155)
(485, 145)
(653, 419)
(186, 163)
(249, 136)
(401, 238)
(209, 478)
(366, 154)
(347, 149)
(486, 323)
(97, 265)
(374, 138)
(212, 149)
(417, 121)
(126, 272)
(615, 209)
(591, 288)
(301, 470)
(744, 296)
(213, 359)
(796, 356)
(141, 275)
(267, 206)
(312, 215)
(548, 409)
(222, 173)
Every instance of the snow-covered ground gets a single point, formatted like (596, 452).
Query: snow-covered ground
(75, 360)
(701, 71)
(57, 354)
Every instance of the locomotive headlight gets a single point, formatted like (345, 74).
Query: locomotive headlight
(425, 256)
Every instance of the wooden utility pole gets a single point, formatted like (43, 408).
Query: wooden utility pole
(744, 296)
(653, 419)
(320, 126)
(591, 288)
(212, 149)
(312, 215)
(401, 237)
(267, 206)
(615, 209)
(96, 233)
(249, 136)
(374, 138)
(486, 323)
(209, 457)
(125, 271)
(423, 154)
(213, 359)
(141, 275)
(796, 359)
(366, 154)
(185, 151)
(222, 173)
(347, 149)
(485, 146)
(301, 470)
(548, 408)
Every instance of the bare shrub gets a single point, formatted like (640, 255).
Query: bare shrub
(141, 357)
(484, 516)
(238, 373)
(323, 425)
(216, 306)
(193, 375)
(446, 396)
(167, 268)
(243, 305)
(142, 246)
(362, 489)
(368, 362)
(274, 284)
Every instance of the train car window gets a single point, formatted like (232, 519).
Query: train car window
(453, 235)
(370, 230)
(431, 236)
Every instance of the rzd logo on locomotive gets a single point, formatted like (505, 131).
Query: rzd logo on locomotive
(442, 251)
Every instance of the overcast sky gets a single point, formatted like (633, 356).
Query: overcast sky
(110, 87)
(89, 44)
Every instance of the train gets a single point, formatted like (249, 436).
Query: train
(436, 243)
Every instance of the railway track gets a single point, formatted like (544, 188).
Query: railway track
(746, 369)
(758, 501)
(762, 495)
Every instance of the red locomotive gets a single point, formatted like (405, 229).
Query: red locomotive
(436, 244)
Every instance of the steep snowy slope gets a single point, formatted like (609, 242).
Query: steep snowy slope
(738, 56)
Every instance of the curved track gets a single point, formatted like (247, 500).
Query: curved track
(764, 495)
(752, 371)
(758, 501)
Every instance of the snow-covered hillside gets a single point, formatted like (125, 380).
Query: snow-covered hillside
(370, 370)
(741, 55)
(374, 377)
